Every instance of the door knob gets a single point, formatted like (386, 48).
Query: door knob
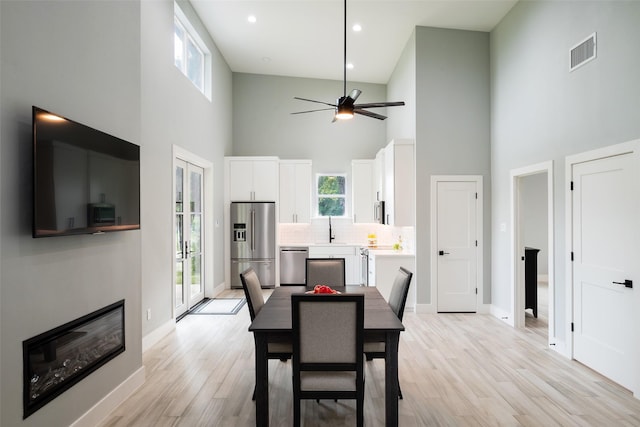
(443, 253)
(627, 283)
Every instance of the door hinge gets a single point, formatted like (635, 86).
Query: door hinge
(571, 326)
(571, 187)
(571, 255)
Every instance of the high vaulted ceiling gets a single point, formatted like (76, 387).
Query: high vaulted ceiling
(304, 38)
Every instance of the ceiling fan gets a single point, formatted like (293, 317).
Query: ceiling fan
(345, 106)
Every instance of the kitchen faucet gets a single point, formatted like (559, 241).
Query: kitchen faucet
(331, 235)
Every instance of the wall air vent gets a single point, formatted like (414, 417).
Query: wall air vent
(583, 52)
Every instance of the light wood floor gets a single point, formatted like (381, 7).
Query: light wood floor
(540, 324)
(455, 370)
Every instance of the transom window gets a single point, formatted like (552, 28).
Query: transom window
(189, 52)
(331, 194)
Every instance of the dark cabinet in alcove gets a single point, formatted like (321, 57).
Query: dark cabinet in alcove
(531, 279)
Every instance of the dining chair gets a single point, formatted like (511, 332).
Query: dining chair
(328, 349)
(397, 301)
(253, 293)
(324, 271)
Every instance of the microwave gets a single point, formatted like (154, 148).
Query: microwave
(378, 212)
(101, 214)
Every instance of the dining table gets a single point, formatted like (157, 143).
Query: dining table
(273, 324)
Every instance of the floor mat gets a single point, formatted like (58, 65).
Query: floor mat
(219, 306)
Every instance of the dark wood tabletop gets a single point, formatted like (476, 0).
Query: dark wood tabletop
(275, 315)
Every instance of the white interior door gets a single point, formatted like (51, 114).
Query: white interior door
(457, 246)
(604, 201)
(188, 282)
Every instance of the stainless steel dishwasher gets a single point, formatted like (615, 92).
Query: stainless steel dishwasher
(292, 265)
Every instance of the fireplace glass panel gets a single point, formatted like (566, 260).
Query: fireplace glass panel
(57, 359)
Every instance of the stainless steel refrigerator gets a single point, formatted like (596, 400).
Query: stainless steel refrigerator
(253, 241)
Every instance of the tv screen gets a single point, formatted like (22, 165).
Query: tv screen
(84, 180)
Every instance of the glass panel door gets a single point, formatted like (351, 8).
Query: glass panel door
(189, 284)
(195, 235)
(180, 171)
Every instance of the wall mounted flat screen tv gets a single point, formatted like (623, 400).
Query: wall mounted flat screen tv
(84, 180)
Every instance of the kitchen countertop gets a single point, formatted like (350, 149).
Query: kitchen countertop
(390, 252)
(381, 250)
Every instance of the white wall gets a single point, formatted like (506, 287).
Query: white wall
(540, 111)
(80, 60)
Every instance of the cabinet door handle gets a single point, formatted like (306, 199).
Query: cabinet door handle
(441, 253)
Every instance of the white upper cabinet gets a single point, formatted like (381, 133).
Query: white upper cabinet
(252, 178)
(362, 190)
(378, 176)
(399, 183)
(295, 191)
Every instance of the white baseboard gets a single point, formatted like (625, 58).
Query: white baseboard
(157, 334)
(431, 308)
(426, 308)
(484, 309)
(111, 401)
(560, 347)
(217, 290)
(501, 314)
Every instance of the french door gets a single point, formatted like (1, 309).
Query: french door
(189, 278)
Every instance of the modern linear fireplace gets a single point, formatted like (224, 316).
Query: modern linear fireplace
(56, 360)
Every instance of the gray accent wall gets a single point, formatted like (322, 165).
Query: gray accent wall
(402, 87)
(533, 208)
(541, 111)
(450, 69)
(264, 126)
(108, 65)
(175, 112)
(60, 56)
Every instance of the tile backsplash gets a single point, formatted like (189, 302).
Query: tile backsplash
(345, 231)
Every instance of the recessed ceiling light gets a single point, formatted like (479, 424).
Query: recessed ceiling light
(350, 66)
(252, 19)
(357, 27)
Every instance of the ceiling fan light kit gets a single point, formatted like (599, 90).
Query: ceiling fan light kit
(345, 106)
(343, 113)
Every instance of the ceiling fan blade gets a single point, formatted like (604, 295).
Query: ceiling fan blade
(313, 100)
(369, 114)
(355, 94)
(312, 111)
(380, 104)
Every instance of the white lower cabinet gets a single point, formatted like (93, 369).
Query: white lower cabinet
(383, 268)
(351, 255)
